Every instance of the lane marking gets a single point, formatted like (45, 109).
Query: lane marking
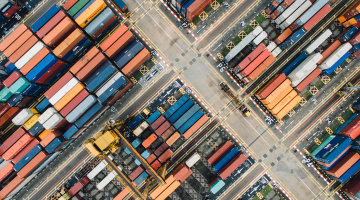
(282, 190)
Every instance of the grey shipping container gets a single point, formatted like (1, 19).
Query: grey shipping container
(99, 21)
(80, 109)
(311, 12)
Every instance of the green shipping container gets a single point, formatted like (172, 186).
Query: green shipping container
(77, 7)
(19, 85)
(5, 94)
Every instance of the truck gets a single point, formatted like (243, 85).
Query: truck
(318, 41)
(235, 100)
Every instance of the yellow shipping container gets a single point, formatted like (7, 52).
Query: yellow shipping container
(277, 91)
(44, 134)
(283, 94)
(108, 137)
(33, 110)
(284, 102)
(288, 107)
(31, 122)
(101, 143)
(69, 96)
(90, 13)
(92, 149)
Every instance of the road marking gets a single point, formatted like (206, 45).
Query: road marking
(212, 55)
(282, 190)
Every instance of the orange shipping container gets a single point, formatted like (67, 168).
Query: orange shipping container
(277, 91)
(122, 194)
(17, 147)
(23, 49)
(84, 60)
(284, 102)
(36, 161)
(17, 43)
(168, 190)
(119, 44)
(65, 46)
(90, 13)
(45, 133)
(10, 187)
(173, 138)
(344, 164)
(69, 96)
(50, 137)
(149, 140)
(6, 171)
(113, 37)
(288, 107)
(329, 50)
(155, 193)
(35, 60)
(282, 37)
(261, 68)
(12, 37)
(283, 94)
(136, 62)
(270, 86)
(196, 126)
(89, 68)
(59, 32)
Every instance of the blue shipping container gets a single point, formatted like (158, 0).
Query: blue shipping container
(137, 162)
(45, 18)
(327, 168)
(346, 123)
(351, 32)
(176, 106)
(186, 116)
(295, 63)
(100, 77)
(185, 7)
(286, 44)
(322, 145)
(225, 159)
(297, 35)
(181, 2)
(337, 64)
(43, 66)
(120, 3)
(214, 188)
(349, 173)
(88, 115)
(191, 121)
(43, 105)
(36, 129)
(328, 146)
(128, 53)
(10, 68)
(59, 74)
(70, 132)
(279, 1)
(34, 89)
(355, 48)
(136, 142)
(153, 117)
(145, 154)
(27, 158)
(78, 50)
(83, 9)
(113, 90)
(181, 111)
(54, 145)
(127, 151)
(272, 8)
(15, 100)
(135, 122)
(336, 150)
(140, 178)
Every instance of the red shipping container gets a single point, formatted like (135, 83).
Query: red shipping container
(12, 37)
(354, 122)
(232, 166)
(119, 44)
(5, 120)
(254, 64)
(68, 4)
(11, 11)
(218, 153)
(165, 155)
(134, 174)
(17, 147)
(185, 176)
(196, 126)
(25, 101)
(149, 140)
(162, 128)
(58, 85)
(101, 29)
(196, 8)
(31, 166)
(17, 43)
(168, 133)
(113, 37)
(271, 86)
(11, 140)
(275, 14)
(352, 12)
(49, 138)
(90, 68)
(275, 4)
(355, 39)
(308, 80)
(55, 20)
(344, 164)
(4, 108)
(78, 186)
(317, 17)
(23, 49)
(35, 60)
(329, 50)
(11, 187)
(353, 132)
(11, 79)
(7, 64)
(48, 75)
(25, 151)
(161, 149)
(282, 37)
(84, 60)
(123, 91)
(355, 55)
(285, 4)
(251, 57)
(74, 102)
(268, 11)
(156, 164)
(151, 158)
(59, 32)
(158, 122)
(6, 171)
(260, 69)
(180, 171)
(294, 26)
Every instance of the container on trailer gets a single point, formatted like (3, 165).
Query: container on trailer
(33, 57)
(140, 178)
(45, 18)
(335, 56)
(162, 128)
(113, 37)
(55, 20)
(191, 121)
(252, 66)
(299, 59)
(295, 15)
(318, 41)
(176, 106)
(214, 188)
(219, 152)
(232, 166)
(23, 116)
(149, 140)
(337, 64)
(136, 62)
(12, 140)
(80, 109)
(90, 13)
(17, 43)
(270, 86)
(27, 158)
(308, 80)
(173, 138)
(55, 145)
(250, 57)
(278, 98)
(164, 156)
(6, 171)
(311, 12)
(288, 11)
(128, 53)
(304, 69)
(329, 50)
(23, 49)
(137, 171)
(89, 115)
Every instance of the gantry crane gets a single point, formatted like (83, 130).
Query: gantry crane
(235, 100)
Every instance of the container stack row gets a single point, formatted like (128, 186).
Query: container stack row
(190, 9)
(11, 14)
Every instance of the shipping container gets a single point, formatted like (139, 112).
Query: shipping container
(165, 155)
(186, 116)
(311, 12)
(355, 39)
(308, 80)
(27, 158)
(254, 64)
(28, 44)
(63, 90)
(196, 8)
(36, 129)
(91, 67)
(173, 138)
(5, 120)
(232, 166)
(127, 54)
(79, 7)
(290, 96)
(335, 56)
(344, 164)
(304, 69)
(352, 130)
(59, 32)
(114, 37)
(172, 187)
(316, 18)
(53, 73)
(69, 96)
(181, 111)
(105, 28)
(56, 121)
(168, 133)
(136, 62)
(135, 122)
(119, 93)
(55, 145)
(352, 187)
(5, 94)
(288, 107)
(318, 41)
(179, 103)
(90, 13)
(349, 173)
(329, 50)
(151, 158)
(142, 177)
(350, 12)
(100, 76)
(31, 58)
(80, 109)
(79, 185)
(95, 171)
(161, 129)
(12, 37)
(6, 171)
(44, 18)
(99, 21)
(89, 115)
(33, 164)
(214, 188)
(66, 45)
(123, 7)
(192, 159)
(12, 140)
(137, 171)
(243, 64)
(41, 68)
(43, 135)
(25, 151)
(23, 116)
(219, 152)
(348, 34)
(55, 20)
(158, 190)
(191, 121)
(337, 64)
(295, 15)
(254, 74)
(68, 4)
(11, 186)
(180, 171)
(288, 11)
(299, 59)
(108, 178)
(331, 152)
(17, 43)
(149, 140)
(50, 137)
(84, 60)
(270, 86)
(161, 149)
(153, 117)
(71, 132)
(184, 7)
(278, 98)
(225, 159)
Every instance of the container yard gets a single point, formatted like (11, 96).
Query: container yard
(105, 99)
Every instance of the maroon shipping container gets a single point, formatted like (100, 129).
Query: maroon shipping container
(232, 166)
(11, 11)
(271, 86)
(165, 155)
(162, 128)
(134, 174)
(180, 171)
(355, 55)
(353, 186)
(218, 153)
(11, 140)
(158, 122)
(68, 4)
(49, 74)
(355, 39)
(275, 14)
(352, 12)
(91, 66)
(294, 26)
(155, 165)
(78, 186)
(58, 85)
(103, 27)
(55, 20)
(161, 149)
(151, 158)
(4, 108)
(23, 49)
(242, 65)
(168, 133)
(74, 102)
(12, 78)
(316, 18)
(268, 11)
(308, 80)
(25, 101)
(25, 151)
(5, 120)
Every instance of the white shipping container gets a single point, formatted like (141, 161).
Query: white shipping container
(335, 56)
(80, 109)
(3, 3)
(311, 12)
(295, 15)
(62, 92)
(107, 179)
(260, 38)
(318, 41)
(243, 44)
(192, 160)
(271, 46)
(22, 117)
(29, 54)
(54, 120)
(276, 52)
(289, 11)
(141, 128)
(98, 168)
(173, 2)
(46, 115)
(108, 84)
(304, 69)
